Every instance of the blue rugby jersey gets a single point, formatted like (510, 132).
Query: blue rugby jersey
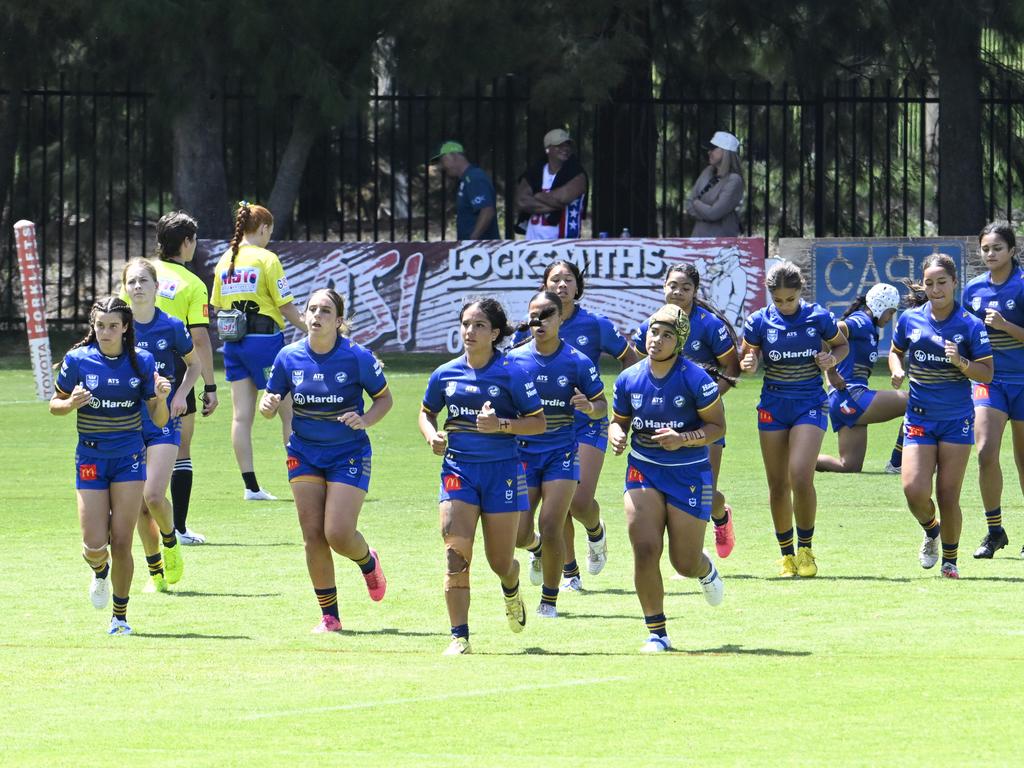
(938, 390)
(856, 367)
(709, 340)
(1008, 353)
(673, 401)
(557, 376)
(167, 339)
(323, 387)
(461, 390)
(788, 345)
(111, 423)
(590, 333)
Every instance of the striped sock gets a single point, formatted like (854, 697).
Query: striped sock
(328, 599)
(548, 596)
(804, 536)
(786, 542)
(462, 630)
(102, 570)
(931, 528)
(570, 569)
(949, 552)
(510, 592)
(120, 607)
(595, 533)
(994, 519)
(366, 563)
(156, 564)
(896, 459)
(656, 624)
(169, 539)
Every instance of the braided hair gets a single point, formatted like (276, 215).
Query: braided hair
(249, 218)
(859, 303)
(113, 304)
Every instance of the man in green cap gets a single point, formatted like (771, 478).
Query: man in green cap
(475, 203)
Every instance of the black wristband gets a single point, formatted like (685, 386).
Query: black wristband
(209, 388)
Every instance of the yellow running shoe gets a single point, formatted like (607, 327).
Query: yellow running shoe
(156, 583)
(787, 567)
(805, 565)
(174, 564)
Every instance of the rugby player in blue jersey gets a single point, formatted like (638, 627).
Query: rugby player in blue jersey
(489, 401)
(108, 383)
(852, 405)
(797, 340)
(946, 347)
(568, 383)
(711, 344)
(328, 450)
(996, 298)
(169, 342)
(674, 411)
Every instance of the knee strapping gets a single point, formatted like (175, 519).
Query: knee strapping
(458, 552)
(94, 556)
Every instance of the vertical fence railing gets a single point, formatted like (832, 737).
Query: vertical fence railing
(93, 165)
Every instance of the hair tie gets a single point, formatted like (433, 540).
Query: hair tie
(243, 203)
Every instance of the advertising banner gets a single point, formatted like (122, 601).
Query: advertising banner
(35, 308)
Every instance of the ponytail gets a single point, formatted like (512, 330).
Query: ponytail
(859, 303)
(249, 218)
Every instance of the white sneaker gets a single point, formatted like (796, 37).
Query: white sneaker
(457, 647)
(597, 553)
(536, 570)
(891, 470)
(929, 554)
(713, 586)
(190, 537)
(656, 644)
(119, 627)
(547, 611)
(259, 495)
(575, 584)
(99, 591)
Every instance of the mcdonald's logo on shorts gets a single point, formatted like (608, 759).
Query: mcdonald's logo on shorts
(292, 463)
(86, 472)
(915, 430)
(763, 416)
(634, 475)
(980, 392)
(452, 482)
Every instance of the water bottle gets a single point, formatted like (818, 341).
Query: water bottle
(625, 233)
(602, 235)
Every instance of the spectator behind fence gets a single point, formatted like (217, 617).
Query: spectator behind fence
(475, 211)
(552, 194)
(719, 189)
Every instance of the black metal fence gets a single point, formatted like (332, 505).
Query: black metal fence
(859, 158)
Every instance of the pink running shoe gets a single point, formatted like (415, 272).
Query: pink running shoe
(725, 537)
(327, 624)
(376, 584)
(949, 570)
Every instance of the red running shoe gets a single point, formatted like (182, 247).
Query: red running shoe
(725, 537)
(376, 584)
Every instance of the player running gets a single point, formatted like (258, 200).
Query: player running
(489, 401)
(328, 450)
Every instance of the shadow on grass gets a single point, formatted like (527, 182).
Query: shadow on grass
(574, 615)
(392, 631)
(608, 592)
(723, 650)
(752, 577)
(252, 544)
(190, 636)
(195, 593)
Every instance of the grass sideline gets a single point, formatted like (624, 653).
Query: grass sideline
(873, 662)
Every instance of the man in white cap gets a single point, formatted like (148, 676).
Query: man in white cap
(718, 191)
(552, 194)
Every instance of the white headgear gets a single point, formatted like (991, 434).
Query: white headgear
(882, 297)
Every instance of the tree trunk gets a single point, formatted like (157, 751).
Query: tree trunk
(200, 182)
(10, 124)
(293, 164)
(961, 188)
(624, 152)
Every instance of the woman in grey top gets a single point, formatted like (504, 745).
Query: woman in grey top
(716, 195)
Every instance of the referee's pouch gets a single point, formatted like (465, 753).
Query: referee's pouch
(232, 324)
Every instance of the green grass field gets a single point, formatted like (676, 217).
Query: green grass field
(874, 662)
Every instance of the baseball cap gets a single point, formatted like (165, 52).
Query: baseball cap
(556, 137)
(725, 140)
(447, 148)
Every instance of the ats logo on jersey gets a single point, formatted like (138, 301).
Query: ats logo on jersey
(86, 472)
(980, 392)
(452, 482)
(634, 475)
(763, 416)
(292, 463)
(915, 430)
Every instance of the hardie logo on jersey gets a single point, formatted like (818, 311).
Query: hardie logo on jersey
(493, 391)
(161, 344)
(772, 335)
(636, 399)
(91, 381)
(297, 377)
(134, 382)
(563, 381)
(341, 377)
(582, 340)
(915, 334)
(450, 387)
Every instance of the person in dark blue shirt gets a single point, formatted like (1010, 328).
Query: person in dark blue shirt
(108, 383)
(996, 298)
(852, 404)
(711, 344)
(674, 411)
(946, 347)
(568, 383)
(798, 340)
(475, 201)
(169, 342)
(328, 450)
(489, 401)
(593, 335)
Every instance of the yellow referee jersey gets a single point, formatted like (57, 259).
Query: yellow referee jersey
(258, 277)
(181, 293)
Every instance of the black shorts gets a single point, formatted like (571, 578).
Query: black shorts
(190, 400)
